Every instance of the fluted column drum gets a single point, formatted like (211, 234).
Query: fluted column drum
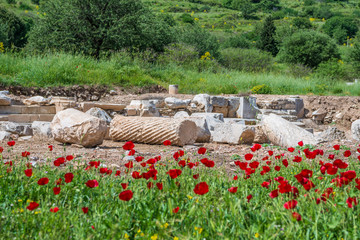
(153, 130)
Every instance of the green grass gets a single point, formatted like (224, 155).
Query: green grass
(120, 70)
(217, 214)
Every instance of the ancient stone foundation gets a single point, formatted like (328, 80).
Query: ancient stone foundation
(152, 130)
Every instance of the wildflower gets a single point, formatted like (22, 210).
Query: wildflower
(43, 181)
(167, 142)
(92, 183)
(32, 206)
(69, 177)
(85, 210)
(54, 210)
(174, 173)
(154, 237)
(28, 172)
(56, 190)
(50, 147)
(296, 216)
(233, 189)
(257, 235)
(176, 238)
(11, 143)
(126, 236)
(159, 186)
(189, 197)
(126, 195)
(301, 143)
(248, 156)
(128, 145)
(201, 188)
(249, 197)
(290, 204)
(202, 150)
(176, 210)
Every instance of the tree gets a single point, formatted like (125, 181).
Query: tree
(267, 37)
(340, 27)
(245, 6)
(12, 29)
(309, 48)
(93, 27)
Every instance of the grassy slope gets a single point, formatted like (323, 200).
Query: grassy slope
(61, 69)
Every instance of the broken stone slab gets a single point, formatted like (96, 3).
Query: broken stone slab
(355, 130)
(159, 103)
(212, 119)
(181, 114)
(318, 116)
(234, 103)
(175, 103)
(99, 113)
(218, 101)
(75, 127)
(203, 102)
(248, 108)
(299, 106)
(153, 130)
(150, 112)
(332, 134)
(21, 129)
(203, 133)
(5, 100)
(284, 133)
(4, 135)
(241, 121)
(37, 100)
(41, 129)
(260, 136)
(233, 134)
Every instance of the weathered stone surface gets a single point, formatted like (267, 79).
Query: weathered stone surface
(234, 103)
(153, 130)
(181, 114)
(21, 129)
(212, 119)
(99, 113)
(203, 133)
(260, 136)
(355, 130)
(218, 101)
(332, 134)
(159, 103)
(283, 133)
(37, 100)
(76, 127)
(4, 100)
(41, 129)
(4, 135)
(299, 106)
(175, 103)
(248, 108)
(203, 101)
(233, 134)
(318, 116)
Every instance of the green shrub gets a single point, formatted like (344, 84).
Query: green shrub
(333, 69)
(37, 2)
(309, 48)
(355, 55)
(270, 5)
(267, 37)
(13, 30)
(200, 38)
(205, 9)
(299, 70)
(11, 1)
(340, 27)
(302, 23)
(187, 18)
(178, 53)
(248, 60)
(236, 41)
(97, 27)
(24, 6)
(261, 89)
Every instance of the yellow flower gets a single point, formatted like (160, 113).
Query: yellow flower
(37, 13)
(196, 228)
(21, 210)
(162, 11)
(26, 11)
(212, 26)
(257, 235)
(200, 230)
(166, 225)
(196, 19)
(176, 5)
(176, 238)
(323, 19)
(197, 200)
(37, 212)
(126, 236)
(224, 23)
(44, 13)
(19, 200)
(37, 6)
(28, 200)
(139, 231)
(154, 237)
(249, 24)
(142, 234)
(312, 19)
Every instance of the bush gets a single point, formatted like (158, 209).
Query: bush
(270, 5)
(261, 89)
(200, 38)
(302, 23)
(187, 18)
(267, 37)
(248, 60)
(236, 42)
(13, 31)
(355, 55)
(96, 27)
(333, 69)
(309, 48)
(178, 53)
(340, 27)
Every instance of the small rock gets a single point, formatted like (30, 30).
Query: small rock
(37, 100)
(113, 92)
(175, 103)
(5, 100)
(99, 113)
(4, 135)
(41, 129)
(181, 114)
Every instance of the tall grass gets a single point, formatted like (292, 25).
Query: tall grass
(121, 70)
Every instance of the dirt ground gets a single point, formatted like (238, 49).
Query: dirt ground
(345, 108)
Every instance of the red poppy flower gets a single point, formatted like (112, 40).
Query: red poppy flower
(124, 185)
(277, 168)
(182, 163)
(352, 202)
(191, 165)
(95, 164)
(50, 147)
(139, 158)
(297, 159)
(336, 147)
(92, 183)
(174, 173)
(25, 154)
(136, 175)
(126, 195)
(159, 186)
(202, 150)
(128, 145)
(254, 164)
(32, 206)
(117, 173)
(271, 153)
(167, 142)
(196, 176)
(43, 181)
(340, 164)
(347, 153)
(131, 152)
(69, 157)
(296, 216)
(103, 170)
(56, 190)
(150, 185)
(176, 156)
(85, 210)
(235, 178)
(54, 210)
(274, 193)
(58, 182)
(11, 143)
(248, 156)
(291, 149)
(265, 184)
(68, 177)
(143, 164)
(201, 188)
(290, 204)
(249, 197)
(1, 149)
(256, 147)
(233, 189)
(130, 164)
(301, 143)
(176, 210)
(28, 172)
(207, 162)
(93, 227)
(181, 153)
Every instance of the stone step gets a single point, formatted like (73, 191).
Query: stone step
(23, 109)
(105, 106)
(26, 118)
(241, 121)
